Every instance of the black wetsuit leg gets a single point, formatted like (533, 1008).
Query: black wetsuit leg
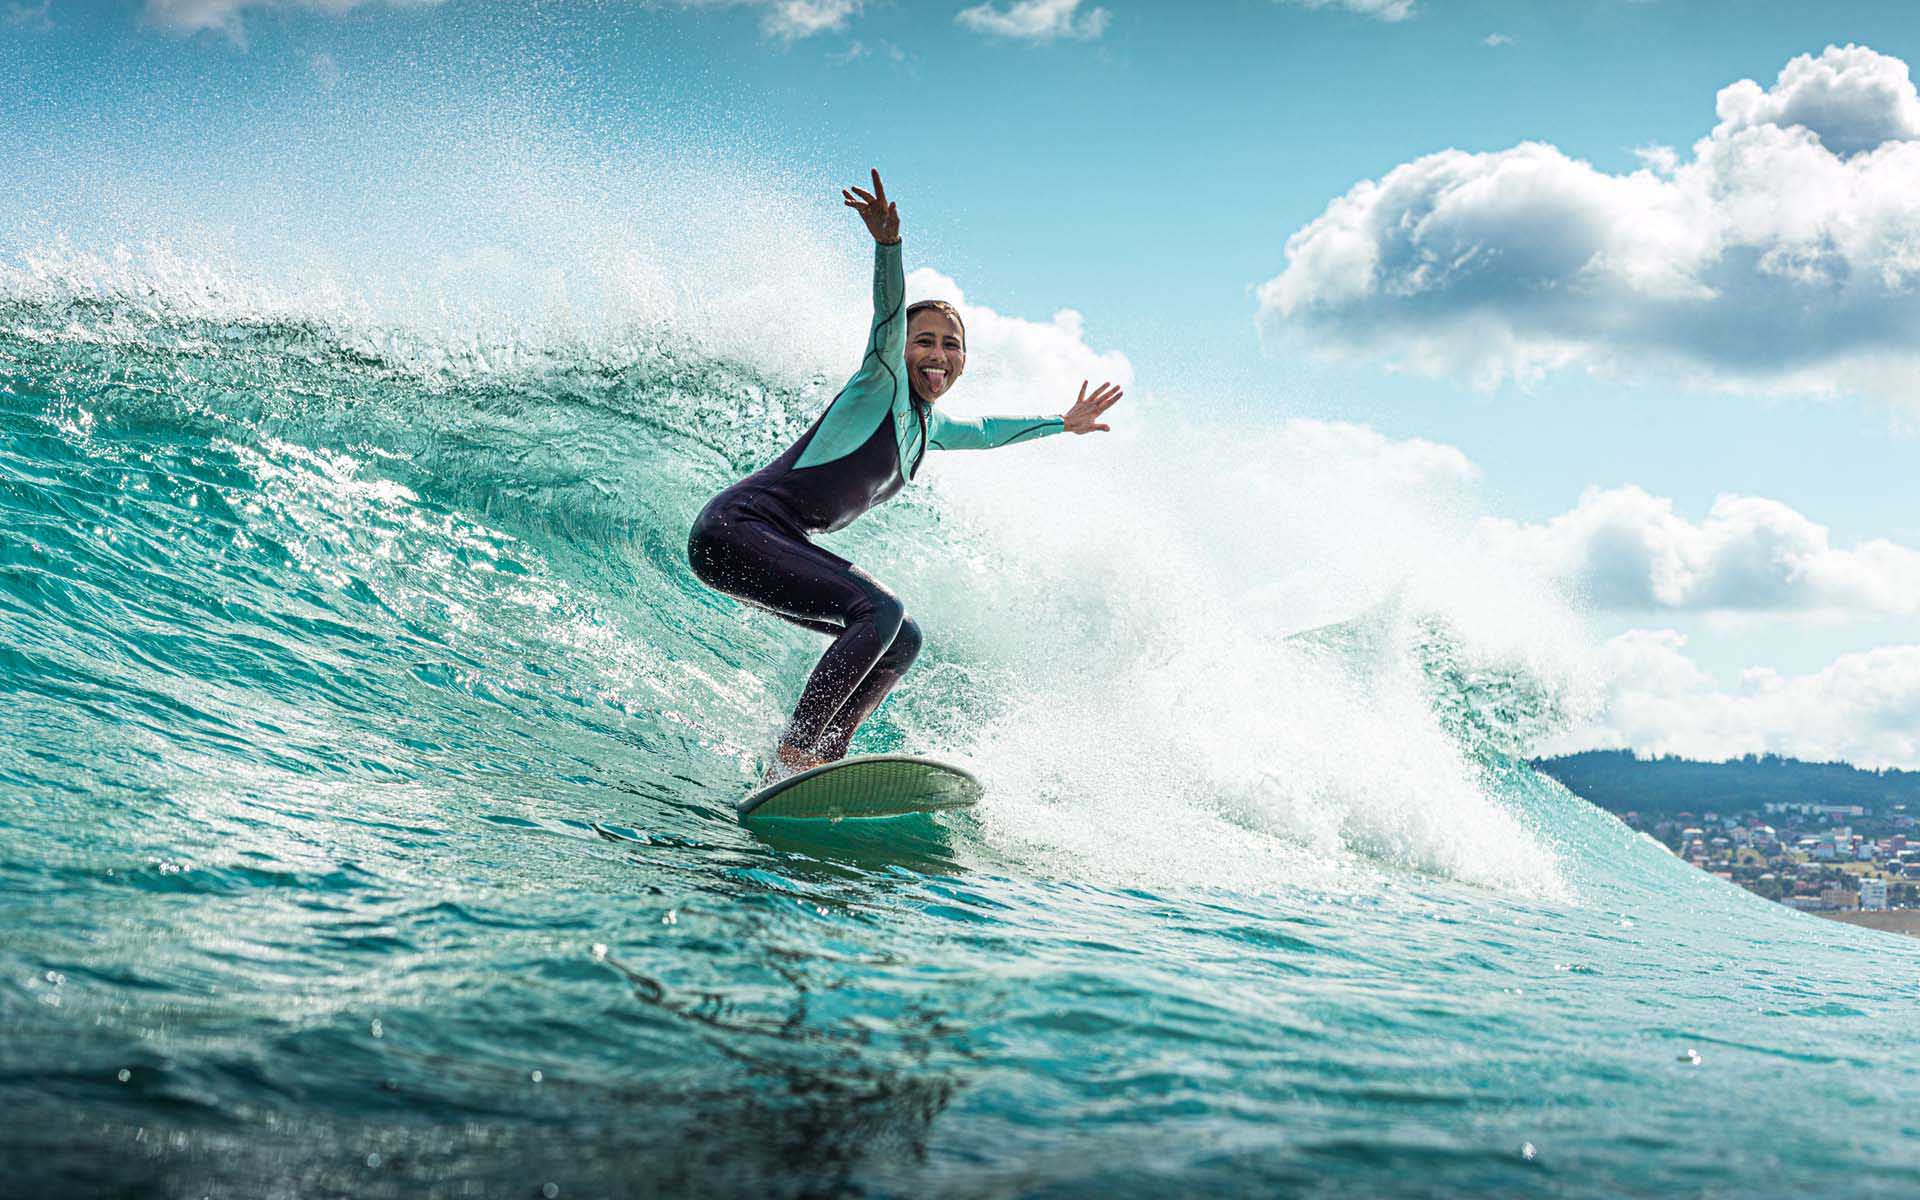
(745, 544)
(872, 690)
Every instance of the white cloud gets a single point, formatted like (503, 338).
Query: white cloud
(1498, 39)
(1408, 465)
(1782, 256)
(1852, 99)
(1862, 708)
(326, 72)
(1036, 20)
(1020, 366)
(791, 20)
(788, 20)
(1627, 550)
(1386, 10)
(226, 16)
(36, 18)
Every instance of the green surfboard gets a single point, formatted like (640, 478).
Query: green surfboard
(871, 785)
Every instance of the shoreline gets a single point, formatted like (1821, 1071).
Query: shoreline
(1898, 920)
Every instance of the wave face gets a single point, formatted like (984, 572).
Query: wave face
(367, 769)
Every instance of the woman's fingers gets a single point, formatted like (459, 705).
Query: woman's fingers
(865, 195)
(1101, 400)
(879, 191)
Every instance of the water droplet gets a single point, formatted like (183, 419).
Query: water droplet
(672, 918)
(373, 1160)
(377, 1029)
(537, 1077)
(599, 951)
(1527, 1151)
(549, 1190)
(123, 1075)
(1690, 1056)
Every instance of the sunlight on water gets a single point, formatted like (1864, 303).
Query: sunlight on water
(366, 789)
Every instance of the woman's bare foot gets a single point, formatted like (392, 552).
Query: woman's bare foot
(791, 760)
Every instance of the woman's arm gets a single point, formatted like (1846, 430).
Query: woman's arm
(876, 391)
(986, 433)
(882, 217)
(990, 433)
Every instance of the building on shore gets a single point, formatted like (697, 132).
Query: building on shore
(1873, 895)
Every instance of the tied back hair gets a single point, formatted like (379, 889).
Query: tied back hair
(940, 306)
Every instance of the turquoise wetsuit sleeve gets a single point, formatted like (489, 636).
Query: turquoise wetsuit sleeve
(877, 392)
(987, 433)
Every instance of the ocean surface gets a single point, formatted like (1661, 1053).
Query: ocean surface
(368, 757)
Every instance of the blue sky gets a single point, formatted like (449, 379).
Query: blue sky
(1146, 164)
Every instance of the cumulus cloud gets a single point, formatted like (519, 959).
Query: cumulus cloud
(1408, 465)
(1782, 255)
(787, 20)
(1862, 708)
(791, 20)
(1386, 10)
(1016, 365)
(326, 72)
(36, 18)
(1852, 99)
(1627, 550)
(227, 16)
(1036, 20)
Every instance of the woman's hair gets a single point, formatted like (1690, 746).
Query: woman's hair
(938, 306)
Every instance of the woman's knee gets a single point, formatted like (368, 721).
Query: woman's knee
(887, 615)
(906, 644)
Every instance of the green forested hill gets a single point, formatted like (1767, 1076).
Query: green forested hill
(1617, 781)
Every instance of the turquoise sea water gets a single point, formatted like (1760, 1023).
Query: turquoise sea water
(326, 643)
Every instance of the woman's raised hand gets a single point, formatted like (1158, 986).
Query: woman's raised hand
(881, 216)
(1084, 414)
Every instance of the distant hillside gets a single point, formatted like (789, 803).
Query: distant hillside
(1617, 781)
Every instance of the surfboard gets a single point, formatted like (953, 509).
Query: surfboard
(870, 785)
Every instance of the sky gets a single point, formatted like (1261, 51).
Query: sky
(1650, 266)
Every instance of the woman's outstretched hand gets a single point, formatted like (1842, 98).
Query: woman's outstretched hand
(1084, 414)
(882, 217)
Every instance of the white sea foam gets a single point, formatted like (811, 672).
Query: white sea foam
(1111, 618)
(1129, 604)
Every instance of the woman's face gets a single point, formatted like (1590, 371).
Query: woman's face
(936, 353)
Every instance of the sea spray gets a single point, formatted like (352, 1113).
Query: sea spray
(369, 754)
(1144, 606)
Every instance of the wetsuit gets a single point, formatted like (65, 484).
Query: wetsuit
(750, 541)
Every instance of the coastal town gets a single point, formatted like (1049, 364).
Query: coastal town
(1810, 856)
(1833, 839)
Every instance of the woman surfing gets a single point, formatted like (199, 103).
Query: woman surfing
(751, 540)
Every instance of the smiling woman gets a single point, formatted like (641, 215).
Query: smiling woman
(751, 541)
(936, 346)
